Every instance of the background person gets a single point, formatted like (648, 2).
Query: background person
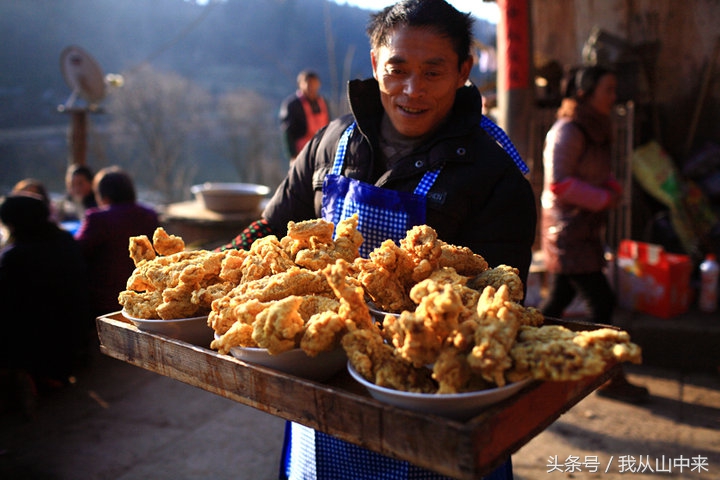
(303, 113)
(79, 189)
(579, 189)
(414, 135)
(105, 232)
(44, 297)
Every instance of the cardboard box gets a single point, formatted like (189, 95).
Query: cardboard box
(652, 280)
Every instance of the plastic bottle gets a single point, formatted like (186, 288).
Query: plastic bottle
(709, 284)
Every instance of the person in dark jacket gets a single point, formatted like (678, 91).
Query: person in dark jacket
(579, 190)
(105, 232)
(416, 137)
(303, 113)
(43, 293)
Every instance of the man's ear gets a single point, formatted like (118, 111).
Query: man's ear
(373, 62)
(465, 70)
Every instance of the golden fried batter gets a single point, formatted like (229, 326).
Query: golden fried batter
(165, 244)
(141, 249)
(498, 276)
(277, 327)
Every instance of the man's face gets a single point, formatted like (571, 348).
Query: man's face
(311, 88)
(419, 76)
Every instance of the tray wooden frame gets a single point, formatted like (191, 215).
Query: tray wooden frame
(341, 407)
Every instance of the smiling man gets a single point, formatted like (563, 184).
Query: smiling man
(412, 152)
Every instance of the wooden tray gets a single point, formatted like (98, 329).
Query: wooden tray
(341, 407)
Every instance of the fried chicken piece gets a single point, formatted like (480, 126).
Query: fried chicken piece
(372, 358)
(177, 303)
(422, 243)
(165, 244)
(353, 307)
(462, 259)
(323, 333)
(265, 258)
(495, 335)
(277, 327)
(231, 269)
(239, 334)
(498, 276)
(307, 235)
(205, 296)
(141, 304)
(141, 249)
(613, 345)
(451, 371)
(419, 336)
(365, 349)
(448, 276)
(385, 275)
(550, 353)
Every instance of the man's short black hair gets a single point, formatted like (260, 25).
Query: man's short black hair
(437, 15)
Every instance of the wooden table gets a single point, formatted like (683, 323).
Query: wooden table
(341, 407)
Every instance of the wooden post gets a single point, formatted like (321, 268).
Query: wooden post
(78, 136)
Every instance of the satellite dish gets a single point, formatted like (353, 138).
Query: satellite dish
(83, 74)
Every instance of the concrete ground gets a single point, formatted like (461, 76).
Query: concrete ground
(120, 422)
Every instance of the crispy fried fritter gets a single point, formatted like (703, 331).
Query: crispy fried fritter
(277, 327)
(265, 258)
(555, 353)
(323, 333)
(353, 307)
(498, 276)
(495, 335)
(462, 259)
(141, 304)
(451, 371)
(239, 334)
(141, 249)
(166, 244)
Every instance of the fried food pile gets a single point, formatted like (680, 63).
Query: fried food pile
(453, 323)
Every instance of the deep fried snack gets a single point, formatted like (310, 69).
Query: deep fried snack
(500, 275)
(462, 259)
(323, 333)
(372, 358)
(555, 353)
(141, 249)
(353, 307)
(495, 335)
(451, 371)
(165, 244)
(238, 334)
(141, 304)
(278, 327)
(265, 258)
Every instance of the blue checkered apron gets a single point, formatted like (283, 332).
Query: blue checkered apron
(309, 454)
(382, 213)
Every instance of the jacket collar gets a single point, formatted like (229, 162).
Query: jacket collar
(365, 104)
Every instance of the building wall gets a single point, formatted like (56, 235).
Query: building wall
(685, 33)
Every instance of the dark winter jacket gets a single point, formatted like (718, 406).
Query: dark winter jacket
(480, 200)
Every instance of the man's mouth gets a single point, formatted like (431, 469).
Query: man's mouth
(412, 111)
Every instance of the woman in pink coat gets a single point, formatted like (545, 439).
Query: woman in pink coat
(579, 189)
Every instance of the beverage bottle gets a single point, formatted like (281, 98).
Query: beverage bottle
(709, 284)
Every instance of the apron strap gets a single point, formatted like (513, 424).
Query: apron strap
(422, 188)
(340, 152)
(501, 137)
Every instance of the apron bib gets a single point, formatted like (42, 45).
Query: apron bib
(382, 213)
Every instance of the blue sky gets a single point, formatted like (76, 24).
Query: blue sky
(479, 8)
